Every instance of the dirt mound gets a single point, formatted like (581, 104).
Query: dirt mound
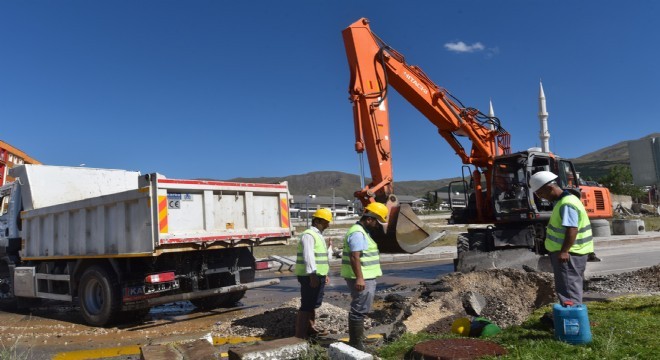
(510, 296)
(639, 281)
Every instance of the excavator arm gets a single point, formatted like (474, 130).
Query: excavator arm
(374, 68)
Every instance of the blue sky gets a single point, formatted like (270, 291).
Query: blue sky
(224, 89)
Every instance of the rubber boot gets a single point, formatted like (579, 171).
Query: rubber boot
(314, 331)
(356, 334)
(302, 324)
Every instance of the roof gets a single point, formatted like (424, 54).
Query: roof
(27, 158)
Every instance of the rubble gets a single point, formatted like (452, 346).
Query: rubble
(280, 322)
(644, 280)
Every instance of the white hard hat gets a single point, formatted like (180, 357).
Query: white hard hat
(539, 179)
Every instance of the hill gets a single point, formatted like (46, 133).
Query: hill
(593, 165)
(597, 164)
(344, 185)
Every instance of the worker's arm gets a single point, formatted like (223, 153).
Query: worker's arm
(310, 260)
(569, 240)
(569, 219)
(357, 243)
(357, 269)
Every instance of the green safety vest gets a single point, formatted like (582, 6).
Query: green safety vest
(320, 255)
(555, 232)
(369, 260)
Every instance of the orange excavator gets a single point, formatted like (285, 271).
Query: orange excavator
(495, 181)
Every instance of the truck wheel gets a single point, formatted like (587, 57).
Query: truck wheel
(213, 302)
(478, 241)
(462, 243)
(98, 293)
(247, 276)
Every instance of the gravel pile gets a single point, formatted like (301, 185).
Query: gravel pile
(280, 322)
(639, 281)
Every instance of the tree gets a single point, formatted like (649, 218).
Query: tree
(620, 181)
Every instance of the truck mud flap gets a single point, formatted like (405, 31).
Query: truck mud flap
(204, 293)
(522, 259)
(406, 233)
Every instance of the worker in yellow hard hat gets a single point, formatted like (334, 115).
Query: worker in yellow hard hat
(360, 266)
(312, 269)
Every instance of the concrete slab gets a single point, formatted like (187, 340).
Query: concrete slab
(159, 352)
(341, 351)
(287, 348)
(198, 349)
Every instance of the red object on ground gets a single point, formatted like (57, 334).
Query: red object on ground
(451, 349)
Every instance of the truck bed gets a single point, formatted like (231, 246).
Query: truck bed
(160, 215)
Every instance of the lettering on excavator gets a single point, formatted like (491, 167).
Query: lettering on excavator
(416, 83)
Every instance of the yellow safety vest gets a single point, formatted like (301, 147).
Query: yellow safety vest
(369, 261)
(320, 255)
(555, 232)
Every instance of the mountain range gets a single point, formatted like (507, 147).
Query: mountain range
(593, 165)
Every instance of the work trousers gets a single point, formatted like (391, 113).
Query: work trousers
(311, 298)
(569, 277)
(361, 301)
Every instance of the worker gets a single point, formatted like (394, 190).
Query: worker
(360, 266)
(312, 269)
(568, 237)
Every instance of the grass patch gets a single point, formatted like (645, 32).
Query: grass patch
(623, 328)
(652, 223)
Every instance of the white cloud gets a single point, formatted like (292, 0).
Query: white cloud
(462, 47)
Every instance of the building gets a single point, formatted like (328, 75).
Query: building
(417, 204)
(10, 157)
(303, 206)
(645, 161)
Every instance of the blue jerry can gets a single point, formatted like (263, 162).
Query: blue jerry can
(572, 324)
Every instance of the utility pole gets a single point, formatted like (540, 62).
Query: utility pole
(333, 204)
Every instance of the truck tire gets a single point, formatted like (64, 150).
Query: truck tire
(478, 241)
(224, 300)
(98, 294)
(213, 302)
(462, 243)
(244, 259)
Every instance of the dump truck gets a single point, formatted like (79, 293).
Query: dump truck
(119, 242)
(497, 198)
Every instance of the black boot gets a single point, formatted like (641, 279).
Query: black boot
(356, 334)
(593, 258)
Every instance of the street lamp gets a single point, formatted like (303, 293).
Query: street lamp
(307, 207)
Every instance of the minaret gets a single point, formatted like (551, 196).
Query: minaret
(491, 113)
(544, 135)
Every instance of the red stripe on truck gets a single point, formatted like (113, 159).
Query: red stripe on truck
(220, 183)
(226, 237)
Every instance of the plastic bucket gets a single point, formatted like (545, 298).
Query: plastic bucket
(572, 324)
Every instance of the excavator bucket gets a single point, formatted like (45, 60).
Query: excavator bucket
(406, 233)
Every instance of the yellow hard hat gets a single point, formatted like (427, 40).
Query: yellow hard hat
(379, 210)
(323, 213)
(461, 326)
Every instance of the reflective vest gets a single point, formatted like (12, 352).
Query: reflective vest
(555, 232)
(369, 260)
(320, 255)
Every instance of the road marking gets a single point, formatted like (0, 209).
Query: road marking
(98, 353)
(135, 349)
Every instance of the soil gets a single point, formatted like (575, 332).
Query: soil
(510, 297)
